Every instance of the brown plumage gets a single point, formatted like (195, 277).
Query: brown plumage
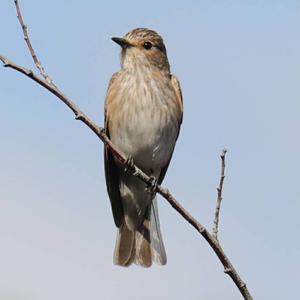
(143, 114)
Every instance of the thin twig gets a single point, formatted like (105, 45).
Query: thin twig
(219, 195)
(29, 45)
(99, 131)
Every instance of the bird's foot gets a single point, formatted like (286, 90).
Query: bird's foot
(152, 185)
(129, 165)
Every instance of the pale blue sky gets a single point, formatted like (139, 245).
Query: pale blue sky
(239, 67)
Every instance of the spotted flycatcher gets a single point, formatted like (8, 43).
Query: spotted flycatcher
(143, 114)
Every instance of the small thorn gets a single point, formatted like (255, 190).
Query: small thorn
(78, 116)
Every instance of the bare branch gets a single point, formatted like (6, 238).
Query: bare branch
(29, 45)
(99, 131)
(48, 84)
(219, 195)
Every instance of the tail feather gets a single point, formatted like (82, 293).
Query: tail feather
(157, 246)
(142, 246)
(125, 248)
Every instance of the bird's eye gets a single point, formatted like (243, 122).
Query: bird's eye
(147, 45)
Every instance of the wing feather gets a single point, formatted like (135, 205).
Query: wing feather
(111, 169)
(176, 86)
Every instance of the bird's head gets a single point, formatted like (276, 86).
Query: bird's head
(143, 48)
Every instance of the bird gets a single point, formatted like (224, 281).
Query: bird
(143, 114)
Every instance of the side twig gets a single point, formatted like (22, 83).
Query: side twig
(29, 45)
(219, 195)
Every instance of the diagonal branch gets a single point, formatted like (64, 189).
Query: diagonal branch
(99, 131)
(219, 195)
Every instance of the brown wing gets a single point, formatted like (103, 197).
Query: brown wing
(112, 172)
(175, 84)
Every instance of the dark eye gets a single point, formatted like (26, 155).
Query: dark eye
(147, 45)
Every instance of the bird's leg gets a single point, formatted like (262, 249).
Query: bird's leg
(152, 185)
(129, 165)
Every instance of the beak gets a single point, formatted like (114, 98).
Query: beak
(121, 41)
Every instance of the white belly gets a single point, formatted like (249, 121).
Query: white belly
(149, 140)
